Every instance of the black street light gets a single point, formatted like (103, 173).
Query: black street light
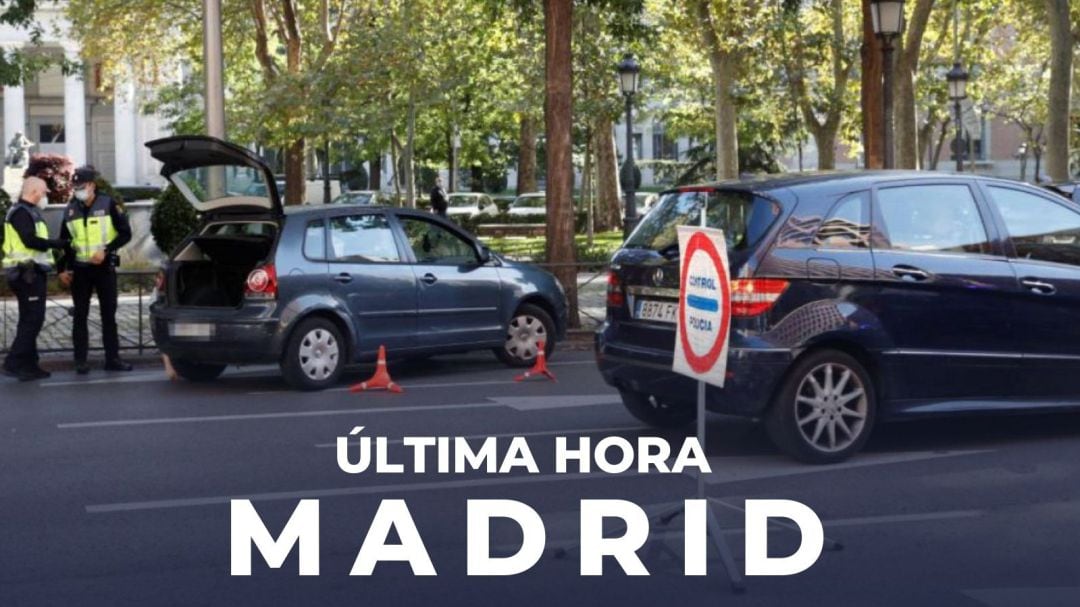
(958, 79)
(888, 18)
(629, 81)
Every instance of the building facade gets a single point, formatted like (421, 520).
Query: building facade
(75, 114)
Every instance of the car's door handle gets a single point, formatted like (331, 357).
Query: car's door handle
(910, 273)
(429, 279)
(1038, 287)
(344, 278)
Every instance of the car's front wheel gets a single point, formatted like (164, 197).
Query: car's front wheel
(824, 410)
(315, 355)
(529, 327)
(657, 412)
(197, 372)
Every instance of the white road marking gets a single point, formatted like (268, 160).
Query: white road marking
(567, 432)
(555, 403)
(344, 491)
(737, 469)
(540, 403)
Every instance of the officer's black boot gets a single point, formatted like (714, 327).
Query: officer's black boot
(118, 364)
(82, 367)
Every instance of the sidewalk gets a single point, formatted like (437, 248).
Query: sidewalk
(56, 335)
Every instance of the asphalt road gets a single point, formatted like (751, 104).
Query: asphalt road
(114, 491)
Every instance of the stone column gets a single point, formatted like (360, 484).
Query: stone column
(75, 113)
(14, 114)
(124, 132)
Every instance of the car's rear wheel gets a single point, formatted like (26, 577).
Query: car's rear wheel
(528, 328)
(197, 372)
(824, 410)
(657, 412)
(315, 355)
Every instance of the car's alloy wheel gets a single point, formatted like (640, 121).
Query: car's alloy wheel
(830, 407)
(523, 336)
(529, 326)
(315, 355)
(319, 354)
(825, 408)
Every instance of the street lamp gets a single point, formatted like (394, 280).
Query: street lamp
(888, 19)
(629, 81)
(958, 78)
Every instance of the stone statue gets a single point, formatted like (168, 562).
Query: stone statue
(19, 151)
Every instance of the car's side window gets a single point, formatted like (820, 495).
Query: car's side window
(315, 241)
(362, 238)
(941, 218)
(1040, 229)
(848, 225)
(432, 243)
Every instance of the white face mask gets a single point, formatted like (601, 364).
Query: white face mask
(83, 194)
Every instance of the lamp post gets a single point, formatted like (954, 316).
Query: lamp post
(629, 80)
(888, 19)
(455, 145)
(958, 78)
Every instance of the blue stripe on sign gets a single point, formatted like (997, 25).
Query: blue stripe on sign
(702, 303)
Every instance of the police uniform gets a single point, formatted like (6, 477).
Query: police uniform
(96, 226)
(27, 262)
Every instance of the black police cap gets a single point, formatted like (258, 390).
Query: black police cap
(84, 174)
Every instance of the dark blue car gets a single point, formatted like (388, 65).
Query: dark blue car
(314, 288)
(858, 298)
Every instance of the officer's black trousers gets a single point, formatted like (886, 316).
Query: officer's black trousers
(31, 296)
(85, 281)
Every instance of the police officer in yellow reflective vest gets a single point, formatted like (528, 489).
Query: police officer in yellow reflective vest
(96, 227)
(27, 261)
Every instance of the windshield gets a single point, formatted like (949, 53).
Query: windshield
(743, 217)
(216, 186)
(464, 201)
(530, 202)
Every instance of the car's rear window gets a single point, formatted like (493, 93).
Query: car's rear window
(742, 216)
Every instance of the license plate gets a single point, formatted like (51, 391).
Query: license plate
(658, 311)
(192, 330)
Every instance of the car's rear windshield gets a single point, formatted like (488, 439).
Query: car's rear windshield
(533, 202)
(742, 216)
(464, 201)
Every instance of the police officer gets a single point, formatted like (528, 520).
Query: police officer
(27, 261)
(96, 226)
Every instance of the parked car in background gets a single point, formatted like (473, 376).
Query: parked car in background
(314, 288)
(529, 205)
(362, 197)
(503, 202)
(470, 204)
(858, 298)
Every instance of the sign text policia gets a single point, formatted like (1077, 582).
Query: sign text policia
(704, 306)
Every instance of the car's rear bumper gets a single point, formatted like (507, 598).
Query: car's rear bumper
(753, 373)
(251, 340)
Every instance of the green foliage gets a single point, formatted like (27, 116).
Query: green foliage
(103, 186)
(172, 219)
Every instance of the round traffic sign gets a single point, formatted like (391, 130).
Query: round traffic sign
(705, 304)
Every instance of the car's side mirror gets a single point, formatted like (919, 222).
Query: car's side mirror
(483, 254)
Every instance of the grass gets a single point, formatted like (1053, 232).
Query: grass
(534, 248)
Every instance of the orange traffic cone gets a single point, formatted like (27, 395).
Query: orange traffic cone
(381, 380)
(540, 368)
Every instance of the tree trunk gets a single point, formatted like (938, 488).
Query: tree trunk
(873, 106)
(410, 167)
(295, 182)
(1057, 122)
(375, 173)
(526, 181)
(722, 62)
(940, 143)
(825, 138)
(587, 187)
(558, 99)
(906, 64)
(607, 177)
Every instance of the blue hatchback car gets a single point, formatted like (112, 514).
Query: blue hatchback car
(858, 298)
(314, 288)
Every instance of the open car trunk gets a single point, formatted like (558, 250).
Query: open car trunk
(211, 270)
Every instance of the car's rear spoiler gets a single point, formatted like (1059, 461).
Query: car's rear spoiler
(1068, 190)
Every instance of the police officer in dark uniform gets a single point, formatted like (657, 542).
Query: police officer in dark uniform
(96, 227)
(439, 202)
(27, 261)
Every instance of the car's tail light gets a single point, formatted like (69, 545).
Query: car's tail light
(262, 283)
(754, 296)
(615, 298)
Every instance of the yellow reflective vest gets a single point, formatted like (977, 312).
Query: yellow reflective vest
(15, 251)
(91, 232)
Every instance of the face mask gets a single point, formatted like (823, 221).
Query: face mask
(83, 195)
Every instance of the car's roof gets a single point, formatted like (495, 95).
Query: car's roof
(853, 179)
(467, 194)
